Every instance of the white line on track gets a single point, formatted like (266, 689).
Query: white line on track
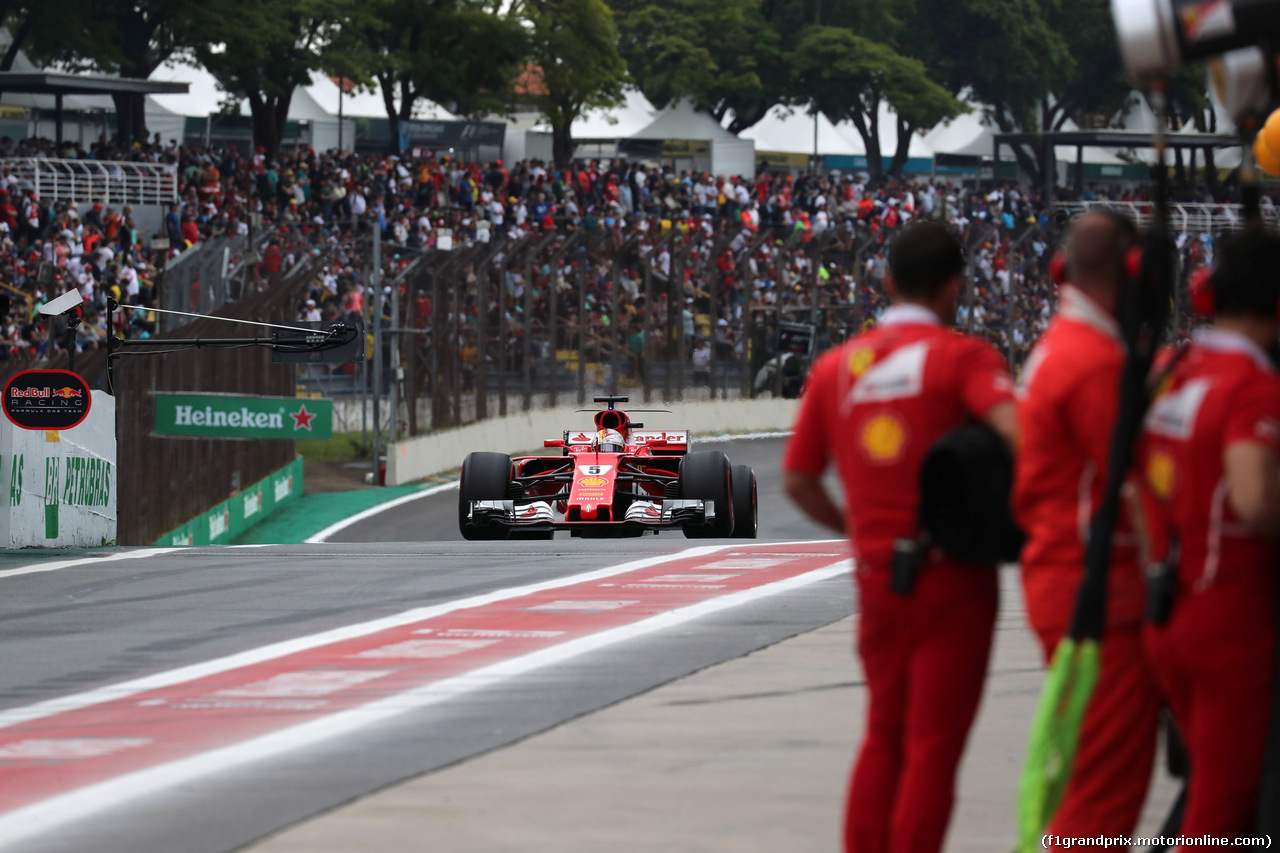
(55, 565)
(23, 823)
(112, 692)
(337, 527)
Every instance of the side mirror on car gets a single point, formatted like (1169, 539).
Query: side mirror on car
(553, 442)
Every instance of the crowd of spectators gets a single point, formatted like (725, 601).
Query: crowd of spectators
(794, 247)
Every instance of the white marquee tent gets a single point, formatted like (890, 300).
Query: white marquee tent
(679, 121)
(316, 104)
(789, 131)
(623, 122)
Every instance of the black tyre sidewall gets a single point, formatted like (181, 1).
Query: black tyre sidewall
(746, 515)
(707, 475)
(486, 476)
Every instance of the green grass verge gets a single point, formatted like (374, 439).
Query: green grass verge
(343, 447)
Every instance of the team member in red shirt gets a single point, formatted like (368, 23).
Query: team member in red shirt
(873, 407)
(1211, 471)
(1066, 413)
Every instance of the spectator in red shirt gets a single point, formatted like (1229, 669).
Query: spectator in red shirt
(8, 213)
(1211, 481)
(1066, 414)
(873, 408)
(190, 230)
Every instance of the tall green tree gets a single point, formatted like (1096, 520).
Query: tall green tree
(1002, 53)
(575, 64)
(458, 53)
(42, 27)
(129, 37)
(262, 50)
(848, 77)
(693, 49)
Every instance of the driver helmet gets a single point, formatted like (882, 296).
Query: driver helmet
(610, 441)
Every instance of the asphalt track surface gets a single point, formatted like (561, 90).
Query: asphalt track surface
(83, 630)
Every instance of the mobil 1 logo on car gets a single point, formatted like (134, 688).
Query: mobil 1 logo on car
(46, 399)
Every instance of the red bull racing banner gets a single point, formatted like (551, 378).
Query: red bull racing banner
(46, 399)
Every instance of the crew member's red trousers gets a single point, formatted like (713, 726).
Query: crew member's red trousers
(1117, 744)
(925, 658)
(1213, 661)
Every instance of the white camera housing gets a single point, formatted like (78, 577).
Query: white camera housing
(63, 304)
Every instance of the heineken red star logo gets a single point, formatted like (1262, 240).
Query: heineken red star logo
(302, 418)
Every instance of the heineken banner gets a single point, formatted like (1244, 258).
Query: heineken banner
(225, 416)
(223, 523)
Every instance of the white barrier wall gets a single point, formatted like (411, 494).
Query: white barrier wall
(423, 456)
(60, 484)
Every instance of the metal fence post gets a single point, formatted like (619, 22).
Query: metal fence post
(748, 324)
(375, 284)
(553, 320)
(614, 322)
(646, 342)
(553, 326)
(582, 328)
(396, 339)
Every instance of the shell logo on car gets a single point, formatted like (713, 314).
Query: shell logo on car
(592, 481)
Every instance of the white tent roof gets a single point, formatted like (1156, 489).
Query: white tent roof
(366, 103)
(888, 127)
(679, 120)
(1091, 154)
(203, 96)
(315, 102)
(1139, 116)
(791, 131)
(635, 114)
(972, 135)
(968, 134)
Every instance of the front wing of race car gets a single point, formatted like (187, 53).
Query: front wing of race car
(536, 515)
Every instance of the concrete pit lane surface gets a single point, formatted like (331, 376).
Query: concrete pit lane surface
(395, 688)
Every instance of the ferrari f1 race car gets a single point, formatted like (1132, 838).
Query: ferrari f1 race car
(618, 479)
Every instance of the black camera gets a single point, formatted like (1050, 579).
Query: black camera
(1160, 35)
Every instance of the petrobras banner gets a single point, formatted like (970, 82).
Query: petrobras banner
(224, 522)
(60, 484)
(225, 416)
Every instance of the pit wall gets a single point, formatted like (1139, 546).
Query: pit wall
(59, 486)
(422, 456)
(224, 522)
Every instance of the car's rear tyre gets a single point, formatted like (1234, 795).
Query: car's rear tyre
(485, 477)
(706, 475)
(746, 514)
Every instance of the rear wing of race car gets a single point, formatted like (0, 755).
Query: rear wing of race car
(661, 442)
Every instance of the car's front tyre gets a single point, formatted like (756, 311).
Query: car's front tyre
(746, 509)
(485, 477)
(706, 475)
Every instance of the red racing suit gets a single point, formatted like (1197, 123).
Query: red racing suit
(1068, 398)
(873, 407)
(1213, 658)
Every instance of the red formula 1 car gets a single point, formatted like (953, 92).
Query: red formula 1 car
(617, 479)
